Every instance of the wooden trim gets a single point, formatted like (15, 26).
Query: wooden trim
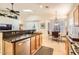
(36, 50)
(78, 14)
(30, 46)
(14, 48)
(35, 42)
(77, 8)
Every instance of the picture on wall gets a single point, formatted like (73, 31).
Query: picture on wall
(42, 25)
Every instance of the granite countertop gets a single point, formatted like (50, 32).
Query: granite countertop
(15, 30)
(9, 30)
(17, 38)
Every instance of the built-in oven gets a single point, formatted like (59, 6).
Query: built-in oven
(5, 26)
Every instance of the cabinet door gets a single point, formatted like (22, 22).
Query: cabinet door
(33, 45)
(40, 40)
(37, 41)
(8, 48)
(1, 52)
(23, 47)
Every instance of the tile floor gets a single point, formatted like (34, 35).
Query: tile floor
(59, 47)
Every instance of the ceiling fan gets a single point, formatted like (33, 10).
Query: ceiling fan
(12, 10)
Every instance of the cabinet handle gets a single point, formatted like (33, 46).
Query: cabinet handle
(20, 43)
(27, 39)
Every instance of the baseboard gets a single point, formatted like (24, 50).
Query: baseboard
(36, 50)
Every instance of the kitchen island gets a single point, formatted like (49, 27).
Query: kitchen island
(19, 42)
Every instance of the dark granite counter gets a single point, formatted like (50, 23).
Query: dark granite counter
(17, 35)
(12, 33)
(15, 30)
(17, 38)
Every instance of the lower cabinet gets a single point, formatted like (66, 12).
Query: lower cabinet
(67, 47)
(33, 47)
(18, 48)
(37, 41)
(24, 47)
(8, 48)
(40, 40)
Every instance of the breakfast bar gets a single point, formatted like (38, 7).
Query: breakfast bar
(25, 42)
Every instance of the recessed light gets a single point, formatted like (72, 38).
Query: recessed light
(41, 6)
(27, 10)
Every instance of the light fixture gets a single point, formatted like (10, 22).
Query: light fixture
(41, 6)
(44, 6)
(56, 16)
(27, 10)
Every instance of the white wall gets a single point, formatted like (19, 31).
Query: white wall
(31, 25)
(30, 22)
(14, 22)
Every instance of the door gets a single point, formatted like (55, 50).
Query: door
(23, 47)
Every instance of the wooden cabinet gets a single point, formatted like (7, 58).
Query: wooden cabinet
(40, 40)
(67, 46)
(33, 48)
(23, 47)
(28, 46)
(1, 47)
(76, 16)
(8, 48)
(37, 41)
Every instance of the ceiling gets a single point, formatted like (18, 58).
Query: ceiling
(53, 9)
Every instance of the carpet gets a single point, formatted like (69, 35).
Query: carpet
(44, 51)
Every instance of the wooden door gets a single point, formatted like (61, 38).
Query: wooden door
(8, 48)
(28, 46)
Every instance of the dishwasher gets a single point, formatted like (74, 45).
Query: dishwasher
(22, 47)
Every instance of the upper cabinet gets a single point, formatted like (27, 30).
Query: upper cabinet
(76, 16)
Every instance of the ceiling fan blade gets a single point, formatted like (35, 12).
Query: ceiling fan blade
(17, 11)
(13, 11)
